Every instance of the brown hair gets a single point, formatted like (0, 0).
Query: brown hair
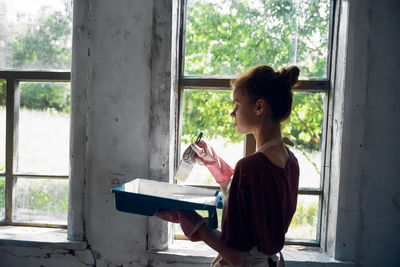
(274, 87)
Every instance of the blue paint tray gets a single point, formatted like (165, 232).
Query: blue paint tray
(146, 197)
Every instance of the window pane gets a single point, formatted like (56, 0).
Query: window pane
(228, 37)
(208, 111)
(44, 128)
(2, 126)
(304, 222)
(35, 34)
(2, 197)
(305, 128)
(41, 201)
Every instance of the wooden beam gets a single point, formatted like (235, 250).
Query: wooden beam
(37, 76)
(215, 83)
(12, 115)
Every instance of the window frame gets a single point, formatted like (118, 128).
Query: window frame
(320, 85)
(12, 79)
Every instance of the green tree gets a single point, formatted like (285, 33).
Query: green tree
(45, 44)
(2, 193)
(228, 37)
(2, 93)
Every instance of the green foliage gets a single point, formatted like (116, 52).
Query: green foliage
(45, 44)
(305, 124)
(43, 196)
(3, 93)
(227, 39)
(2, 193)
(208, 111)
(43, 96)
(304, 222)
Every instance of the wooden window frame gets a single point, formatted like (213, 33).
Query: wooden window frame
(13, 78)
(310, 85)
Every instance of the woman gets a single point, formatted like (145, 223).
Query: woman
(261, 195)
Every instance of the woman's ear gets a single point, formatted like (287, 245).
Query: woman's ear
(260, 106)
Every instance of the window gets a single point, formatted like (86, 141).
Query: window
(34, 111)
(219, 40)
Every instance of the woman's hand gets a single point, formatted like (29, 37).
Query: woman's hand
(168, 215)
(205, 155)
(189, 220)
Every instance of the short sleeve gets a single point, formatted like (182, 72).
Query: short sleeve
(235, 224)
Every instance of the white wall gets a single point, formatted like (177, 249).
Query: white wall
(119, 80)
(117, 111)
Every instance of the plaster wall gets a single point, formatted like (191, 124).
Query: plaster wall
(379, 195)
(118, 108)
(369, 202)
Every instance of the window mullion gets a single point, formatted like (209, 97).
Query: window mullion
(12, 117)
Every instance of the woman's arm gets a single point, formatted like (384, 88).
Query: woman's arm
(224, 188)
(212, 239)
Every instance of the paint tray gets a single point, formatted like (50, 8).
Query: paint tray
(146, 197)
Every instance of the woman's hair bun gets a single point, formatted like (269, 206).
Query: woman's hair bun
(291, 75)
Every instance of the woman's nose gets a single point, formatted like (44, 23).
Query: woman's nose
(233, 114)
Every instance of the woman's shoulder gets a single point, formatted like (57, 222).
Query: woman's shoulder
(258, 158)
(249, 161)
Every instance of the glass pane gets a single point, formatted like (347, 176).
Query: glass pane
(44, 128)
(229, 37)
(41, 201)
(35, 34)
(2, 197)
(2, 126)
(305, 128)
(304, 222)
(208, 111)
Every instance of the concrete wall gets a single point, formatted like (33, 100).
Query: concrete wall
(370, 187)
(368, 211)
(115, 121)
(118, 103)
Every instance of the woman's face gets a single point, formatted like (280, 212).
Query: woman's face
(244, 113)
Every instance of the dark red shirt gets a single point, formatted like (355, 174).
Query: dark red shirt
(261, 203)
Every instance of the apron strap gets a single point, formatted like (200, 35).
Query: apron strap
(281, 260)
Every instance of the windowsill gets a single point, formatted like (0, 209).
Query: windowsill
(40, 237)
(182, 251)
